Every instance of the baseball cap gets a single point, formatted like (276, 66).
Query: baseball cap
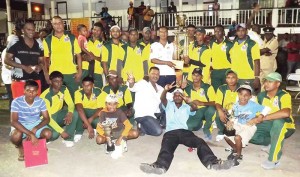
(145, 29)
(179, 90)
(112, 73)
(241, 25)
(248, 87)
(198, 71)
(201, 30)
(268, 29)
(230, 71)
(115, 26)
(273, 76)
(111, 98)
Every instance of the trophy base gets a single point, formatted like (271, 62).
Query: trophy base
(109, 148)
(229, 132)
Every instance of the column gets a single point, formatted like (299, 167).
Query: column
(52, 8)
(29, 13)
(8, 12)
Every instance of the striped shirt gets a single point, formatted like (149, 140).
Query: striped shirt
(28, 114)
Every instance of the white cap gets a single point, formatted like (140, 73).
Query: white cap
(115, 26)
(178, 90)
(111, 98)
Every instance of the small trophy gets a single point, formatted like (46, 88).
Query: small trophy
(107, 127)
(229, 130)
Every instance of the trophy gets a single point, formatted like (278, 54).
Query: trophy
(229, 112)
(107, 127)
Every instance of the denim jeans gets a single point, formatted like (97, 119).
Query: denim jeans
(149, 125)
(166, 79)
(173, 138)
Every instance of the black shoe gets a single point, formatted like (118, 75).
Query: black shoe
(152, 168)
(110, 148)
(236, 162)
(221, 164)
(233, 155)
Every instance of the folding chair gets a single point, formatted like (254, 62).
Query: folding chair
(295, 77)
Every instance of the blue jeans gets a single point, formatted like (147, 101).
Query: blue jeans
(166, 79)
(149, 125)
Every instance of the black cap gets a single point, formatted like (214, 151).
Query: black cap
(268, 29)
(198, 71)
(201, 30)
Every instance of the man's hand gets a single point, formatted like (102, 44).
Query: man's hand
(184, 82)
(170, 86)
(37, 68)
(64, 135)
(119, 140)
(186, 99)
(222, 116)
(77, 77)
(91, 131)
(256, 83)
(256, 9)
(186, 59)
(130, 78)
(31, 137)
(34, 130)
(129, 112)
(170, 64)
(27, 69)
(68, 118)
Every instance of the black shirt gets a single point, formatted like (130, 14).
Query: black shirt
(27, 56)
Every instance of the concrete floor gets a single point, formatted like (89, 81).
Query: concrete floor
(87, 158)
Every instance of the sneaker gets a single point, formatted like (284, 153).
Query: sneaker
(219, 138)
(124, 146)
(229, 149)
(152, 168)
(269, 165)
(77, 138)
(117, 153)
(221, 164)
(266, 148)
(233, 155)
(207, 137)
(68, 143)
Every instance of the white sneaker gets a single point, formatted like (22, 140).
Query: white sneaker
(77, 138)
(68, 143)
(219, 138)
(124, 145)
(117, 153)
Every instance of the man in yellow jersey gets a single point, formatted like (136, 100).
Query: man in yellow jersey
(134, 58)
(220, 57)
(226, 96)
(245, 56)
(199, 56)
(146, 42)
(94, 46)
(88, 104)
(111, 52)
(204, 93)
(55, 97)
(60, 48)
(276, 126)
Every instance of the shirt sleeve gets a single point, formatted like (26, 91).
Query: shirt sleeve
(211, 94)
(219, 97)
(46, 49)
(206, 59)
(43, 106)
(68, 99)
(127, 97)
(12, 49)
(14, 106)
(77, 49)
(104, 54)
(255, 52)
(77, 97)
(153, 52)
(286, 101)
(274, 45)
(102, 99)
(99, 100)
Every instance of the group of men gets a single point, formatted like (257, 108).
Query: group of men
(75, 99)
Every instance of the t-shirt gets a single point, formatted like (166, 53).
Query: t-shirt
(118, 116)
(27, 56)
(82, 38)
(244, 113)
(177, 117)
(293, 56)
(28, 114)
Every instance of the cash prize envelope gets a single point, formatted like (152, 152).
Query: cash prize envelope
(35, 155)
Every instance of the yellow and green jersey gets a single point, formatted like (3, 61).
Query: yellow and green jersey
(96, 48)
(94, 102)
(220, 56)
(111, 53)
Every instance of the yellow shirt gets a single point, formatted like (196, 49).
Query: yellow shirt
(148, 14)
(61, 54)
(220, 57)
(133, 59)
(111, 53)
(147, 51)
(243, 56)
(123, 94)
(200, 53)
(96, 48)
(55, 102)
(206, 93)
(94, 102)
(225, 97)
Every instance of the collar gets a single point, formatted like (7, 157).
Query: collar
(196, 44)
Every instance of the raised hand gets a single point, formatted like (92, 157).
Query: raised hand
(170, 86)
(186, 98)
(130, 78)
(184, 82)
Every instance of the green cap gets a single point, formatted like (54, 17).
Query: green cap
(230, 71)
(273, 76)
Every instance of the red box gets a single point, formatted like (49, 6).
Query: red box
(35, 155)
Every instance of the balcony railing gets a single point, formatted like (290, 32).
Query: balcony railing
(209, 18)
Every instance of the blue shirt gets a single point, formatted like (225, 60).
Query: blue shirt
(28, 114)
(177, 117)
(246, 112)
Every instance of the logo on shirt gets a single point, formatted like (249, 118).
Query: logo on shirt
(202, 93)
(139, 51)
(67, 39)
(94, 97)
(276, 102)
(99, 46)
(61, 97)
(199, 50)
(120, 95)
(244, 47)
(224, 47)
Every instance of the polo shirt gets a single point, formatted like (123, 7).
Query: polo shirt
(96, 48)
(164, 53)
(200, 53)
(176, 118)
(206, 93)
(147, 50)
(111, 53)
(265, 61)
(147, 99)
(28, 114)
(89, 103)
(225, 97)
(133, 59)
(23, 54)
(281, 100)
(220, 56)
(245, 113)
(293, 56)
(61, 54)
(123, 94)
(243, 56)
(55, 103)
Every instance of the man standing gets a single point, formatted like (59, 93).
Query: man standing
(146, 42)
(293, 49)
(162, 54)
(276, 126)
(61, 48)
(245, 56)
(130, 12)
(148, 14)
(268, 53)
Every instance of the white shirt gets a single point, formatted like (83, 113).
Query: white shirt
(160, 52)
(256, 37)
(5, 73)
(147, 100)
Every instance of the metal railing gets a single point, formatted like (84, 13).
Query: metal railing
(209, 18)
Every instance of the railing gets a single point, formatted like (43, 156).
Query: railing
(209, 18)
